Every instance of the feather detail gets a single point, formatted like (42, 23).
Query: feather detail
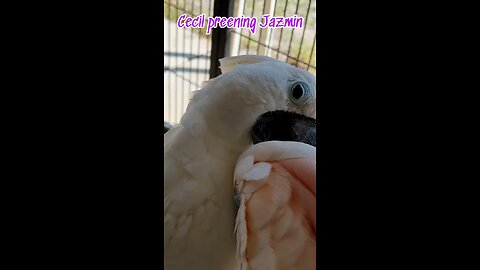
(259, 171)
(241, 234)
(227, 64)
(275, 223)
(280, 150)
(244, 164)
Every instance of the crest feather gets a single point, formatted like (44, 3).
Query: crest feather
(227, 64)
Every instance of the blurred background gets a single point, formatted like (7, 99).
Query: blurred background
(191, 56)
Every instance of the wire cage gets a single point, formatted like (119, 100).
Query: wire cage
(191, 55)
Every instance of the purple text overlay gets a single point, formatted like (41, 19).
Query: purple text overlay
(267, 21)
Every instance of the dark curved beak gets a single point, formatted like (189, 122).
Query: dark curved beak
(284, 126)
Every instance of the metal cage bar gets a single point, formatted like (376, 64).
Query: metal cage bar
(219, 37)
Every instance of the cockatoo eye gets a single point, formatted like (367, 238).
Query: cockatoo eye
(299, 93)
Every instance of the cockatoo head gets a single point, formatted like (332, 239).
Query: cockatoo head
(256, 99)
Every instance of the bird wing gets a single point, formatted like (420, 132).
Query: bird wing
(275, 225)
(198, 225)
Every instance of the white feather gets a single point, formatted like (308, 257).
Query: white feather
(259, 171)
(279, 150)
(227, 64)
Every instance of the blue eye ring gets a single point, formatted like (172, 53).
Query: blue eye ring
(299, 93)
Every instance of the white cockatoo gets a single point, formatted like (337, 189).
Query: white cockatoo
(253, 125)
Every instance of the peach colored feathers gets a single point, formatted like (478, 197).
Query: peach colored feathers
(276, 219)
